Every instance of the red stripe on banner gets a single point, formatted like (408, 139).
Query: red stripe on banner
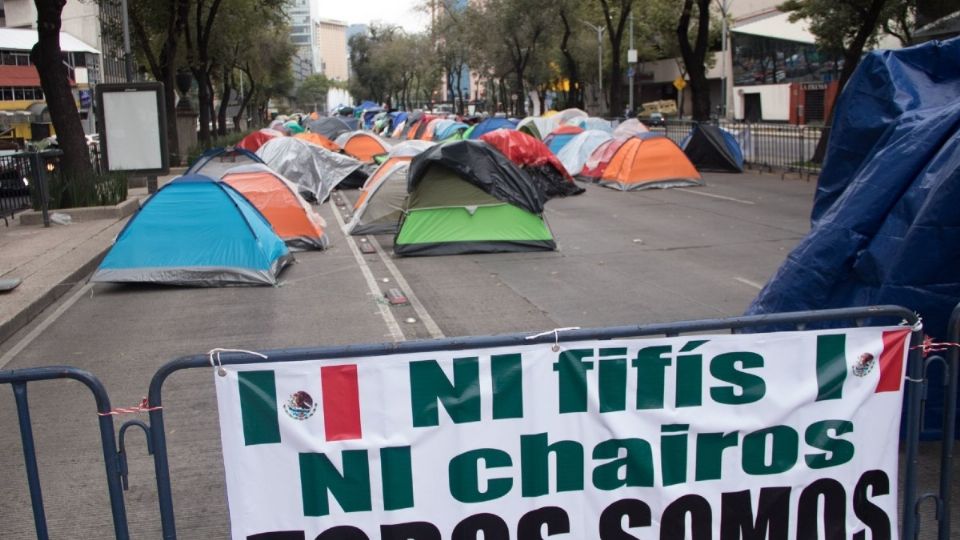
(341, 402)
(891, 360)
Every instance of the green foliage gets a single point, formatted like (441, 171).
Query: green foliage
(313, 90)
(230, 139)
(837, 23)
(85, 189)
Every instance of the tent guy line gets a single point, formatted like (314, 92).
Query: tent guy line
(392, 325)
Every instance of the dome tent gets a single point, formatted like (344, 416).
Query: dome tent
(711, 148)
(641, 162)
(314, 169)
(534, 158)
(466, 197)
(380, 206)
(216, 161)
(277, 199)
(196, 231)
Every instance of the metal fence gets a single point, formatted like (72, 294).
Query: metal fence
(115, 460)
(766, 146)
(16, 172)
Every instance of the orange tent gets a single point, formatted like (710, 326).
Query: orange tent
(277, 199)
(362, 145)
(319, 140)
(644, 161)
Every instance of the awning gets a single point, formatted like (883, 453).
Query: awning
(777, 26)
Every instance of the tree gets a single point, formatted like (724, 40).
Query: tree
(694, 55)
(842, 28)
(313, 91)
(616, 24)
(198, 34)
(54, 80)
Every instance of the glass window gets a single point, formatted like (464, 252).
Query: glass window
(23, 60)
(764, 60)
(18, 93)
(7, 93)
(300, 39)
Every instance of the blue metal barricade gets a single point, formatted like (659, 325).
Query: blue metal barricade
(18, 379)
(798, 321)
(115, 460)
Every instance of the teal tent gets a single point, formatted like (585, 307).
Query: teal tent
(196, 232)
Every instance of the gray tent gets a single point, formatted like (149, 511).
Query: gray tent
(328, 126)
(315, 170)
(382, 200)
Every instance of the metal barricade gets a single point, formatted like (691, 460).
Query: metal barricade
(795, 321)
(19, 379)
(115, 460)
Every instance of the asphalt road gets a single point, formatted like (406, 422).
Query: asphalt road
(624, 258)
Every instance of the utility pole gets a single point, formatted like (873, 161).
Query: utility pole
(724, 6)
(631, 62)
(599, 30)
(127, 55)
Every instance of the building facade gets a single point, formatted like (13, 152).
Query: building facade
(330, 49)
(301, 36)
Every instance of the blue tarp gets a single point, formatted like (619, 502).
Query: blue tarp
(491, 124)
(197, 232)
(885, 224)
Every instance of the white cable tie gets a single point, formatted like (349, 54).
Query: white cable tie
(556, 335)
(216, 363)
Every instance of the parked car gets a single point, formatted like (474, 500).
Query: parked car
(656, 119)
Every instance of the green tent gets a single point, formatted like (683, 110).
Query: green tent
(465, 197)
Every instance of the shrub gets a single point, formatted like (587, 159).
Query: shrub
(75, 191)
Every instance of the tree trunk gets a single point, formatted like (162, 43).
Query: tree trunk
(694, 57)
(224, 102)
(574, 95)
(203, 105)
(75, 163)
(851, 59)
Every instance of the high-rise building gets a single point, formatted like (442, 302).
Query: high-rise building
(330, 49)
(301, 36)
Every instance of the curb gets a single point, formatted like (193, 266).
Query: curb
(23, 317)
(118, 211)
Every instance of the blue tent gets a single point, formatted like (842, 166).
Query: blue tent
(216, 161)
(556, 142)
(450, 130)
(196, 232)
(398, 119)
(491, 124)
(885, 225)
(712, 148)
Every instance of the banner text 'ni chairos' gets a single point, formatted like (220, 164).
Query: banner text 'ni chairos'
(781, 436)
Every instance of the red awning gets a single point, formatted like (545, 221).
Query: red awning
(19, 76)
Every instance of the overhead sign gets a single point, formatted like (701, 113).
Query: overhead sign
(770, 435)
(132, 123)
(632, 56)
(679, 83)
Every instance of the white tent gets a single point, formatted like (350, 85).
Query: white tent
(575, 153)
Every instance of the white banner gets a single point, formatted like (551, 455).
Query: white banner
(773, 436)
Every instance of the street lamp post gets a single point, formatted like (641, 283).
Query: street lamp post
(724, 6)
(127, 55)
(599, 30)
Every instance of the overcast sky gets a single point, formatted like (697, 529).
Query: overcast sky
(399, 12)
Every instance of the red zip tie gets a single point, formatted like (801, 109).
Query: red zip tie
(929, 346)
(142, 407)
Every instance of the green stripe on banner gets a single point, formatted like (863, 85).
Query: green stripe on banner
(258, 407)
(831, 366)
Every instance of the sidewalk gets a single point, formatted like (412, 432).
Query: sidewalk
(51, 260)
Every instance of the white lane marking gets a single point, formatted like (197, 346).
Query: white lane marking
(395, 332)
(753, 284)
(415, 303)
(715, 196)
(40, 328)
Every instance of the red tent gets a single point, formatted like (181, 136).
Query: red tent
(536, 159)
(255, 140)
